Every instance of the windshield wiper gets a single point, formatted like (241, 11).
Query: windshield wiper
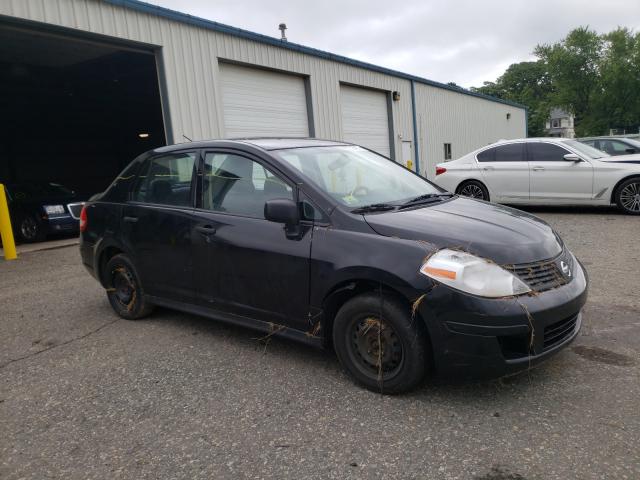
(426, 198)
(374, 207)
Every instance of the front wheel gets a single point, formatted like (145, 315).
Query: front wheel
(628, 196)
(124, 290)
(473, 189)
(379, 344)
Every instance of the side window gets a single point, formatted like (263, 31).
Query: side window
(513, 152)
(166, 180)
(615, 147)
(119, 189)
(487, 155)
(546, 152)
(309, 210)
(240, 186)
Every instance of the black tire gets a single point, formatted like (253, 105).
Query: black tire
(473, 189)
(357, 330)
(628, 196)
(29, 229)
(124, 289)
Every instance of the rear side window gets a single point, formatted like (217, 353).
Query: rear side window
(514, 152)
(166, 180)
(119, 189)
(487, 155)
(546, 152)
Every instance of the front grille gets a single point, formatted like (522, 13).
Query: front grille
(75, 209)
(541, 276)
(558, 332)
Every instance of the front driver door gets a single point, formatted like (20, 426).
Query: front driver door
(556, 179)
(245, 264)
(506, 172)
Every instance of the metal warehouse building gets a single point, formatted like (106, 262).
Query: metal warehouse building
(86, 85)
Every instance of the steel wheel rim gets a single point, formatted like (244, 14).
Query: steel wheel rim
(124, 289)
(29, 228)
(630, 197)
(473, 191)
(364, 350)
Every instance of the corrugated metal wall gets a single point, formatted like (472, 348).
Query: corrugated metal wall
(190, 55)
(465, 122)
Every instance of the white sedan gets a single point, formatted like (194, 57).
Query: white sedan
(545, 171)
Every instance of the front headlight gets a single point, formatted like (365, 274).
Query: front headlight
(54, 209)
(472, 274)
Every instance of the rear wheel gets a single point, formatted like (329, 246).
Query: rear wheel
(473, 189)
(379, 344)
(29, 229)
(628, 196)
(124, 290)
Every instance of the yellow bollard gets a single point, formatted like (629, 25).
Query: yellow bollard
(6, 232)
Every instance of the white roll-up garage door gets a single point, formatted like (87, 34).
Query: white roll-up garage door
(365, 118)
(263, 103)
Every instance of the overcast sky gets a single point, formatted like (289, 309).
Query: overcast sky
(466, 41)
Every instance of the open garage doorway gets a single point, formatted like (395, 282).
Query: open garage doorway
(75, 110)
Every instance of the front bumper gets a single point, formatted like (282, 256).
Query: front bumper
(484, 338)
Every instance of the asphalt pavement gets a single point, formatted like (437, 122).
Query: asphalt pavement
(85, 395)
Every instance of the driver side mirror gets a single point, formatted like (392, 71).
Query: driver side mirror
(630, 150)
(282, 210)
(572, 157)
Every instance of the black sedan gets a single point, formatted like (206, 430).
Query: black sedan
(334, 245)
(40, 209)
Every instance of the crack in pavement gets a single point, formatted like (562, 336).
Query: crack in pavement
(25, 357)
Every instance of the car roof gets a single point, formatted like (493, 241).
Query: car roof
(607, 138)
(265, 143)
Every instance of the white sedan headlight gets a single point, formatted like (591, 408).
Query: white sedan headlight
(54, 209)
(472, 274)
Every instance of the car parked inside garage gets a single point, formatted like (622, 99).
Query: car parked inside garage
(41, 209)
(545, 171)
(332, 244)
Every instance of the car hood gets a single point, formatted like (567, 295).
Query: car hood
(504, 235)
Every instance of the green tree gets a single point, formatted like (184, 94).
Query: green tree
(595, 77)
(617, 103)
(573, 68)
(527, 83)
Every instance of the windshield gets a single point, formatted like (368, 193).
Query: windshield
(38, 190)
(356, 177)
(633, 142)
(590, 152)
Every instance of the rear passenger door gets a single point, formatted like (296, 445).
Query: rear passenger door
(505, 171)
(244, 264)
(554, 178)
(156, 225)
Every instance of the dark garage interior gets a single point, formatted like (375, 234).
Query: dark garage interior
(74, 111)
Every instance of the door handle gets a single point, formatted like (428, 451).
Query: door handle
(206, 229)
(130, 219)
(537, 169)
(487, 168)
